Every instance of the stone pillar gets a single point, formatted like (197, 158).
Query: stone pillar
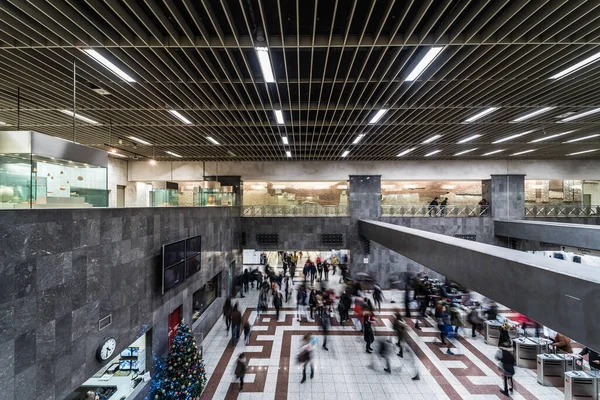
(508, 196)
(364, 202)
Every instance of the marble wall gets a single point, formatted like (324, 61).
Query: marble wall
(63, 270)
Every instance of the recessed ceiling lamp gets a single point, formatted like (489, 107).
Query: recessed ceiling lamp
(424, 63)
(279, 117)
(265, 64)
(581, 115)
(288, 154)
(79, 116)
(358, 138)
(523, 152)
(512, 137)
(405, 152)
(481, 114)
(284, 139)
(466, 151)
(345, 153)
(180, 117)
(112, 67)
(173, 154)
(136, 139)
(378, 116)
(432, 153)
(468, 139)
(582, 152)
(493, 152)
(431, 139)
(533, 114)
(551, 137)
(582, 138)
(114, 153)
(575, 67)
(213, 140)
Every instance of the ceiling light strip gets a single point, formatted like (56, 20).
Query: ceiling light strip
(431, 139)
(180, 117)
(427, 59)
(79, 117)
(432, 153)
(580, 115)
(345, 153)
(506, 139)
(279, 117)
(173, 154)
(109, 65)
(493, 152)
(523, 152)
(551, 137)
(532, 114)
(582, 138)
(468, 139)
(211, 139)
(288, 154)
(575, 67)
(466, 151)
(583, 152)
(285, 140)
(142, 141)
(481, 114)
(265, 64)
(378, 116)
(405, 152)
(358, 138)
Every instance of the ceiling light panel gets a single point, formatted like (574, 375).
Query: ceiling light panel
(532, 114)
(582, 152)
(432, 153)
(2, 123)
(523, 152)
(114, 153)
(518, 135)
(142, 141)
(481, 114)
(431, 139)
(173, 154)
(345, 153)
(378, 116)
(465, 152)
(265, 64)
(212, 140)
(431, 54)
(405, 152)
(180, 117)
(493, 152)
(551, 137)
(358, 138)
(468, 139)
(288, 154)
(580, 115)
(79, 117)
(284, 139)
(582, 138)
(109, 65)
(279, 117)
(576, 67)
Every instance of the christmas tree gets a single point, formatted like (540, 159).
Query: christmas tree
(182, 376)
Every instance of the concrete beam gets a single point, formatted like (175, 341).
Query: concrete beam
(560, 294)
(575, 235)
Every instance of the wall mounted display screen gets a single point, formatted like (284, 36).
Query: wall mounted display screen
(192, 265)
(173, 253)
(173, 276)
(130, 352)
(192, 246)
(128, 365)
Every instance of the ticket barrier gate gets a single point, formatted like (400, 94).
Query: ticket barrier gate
(526, 350)
(581, 385)
(551, 368)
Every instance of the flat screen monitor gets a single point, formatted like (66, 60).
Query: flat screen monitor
(192, 246)
(173, 276)
(125, 365)
(135, 365)
(130, 352)
(173, 253)
(192, 265)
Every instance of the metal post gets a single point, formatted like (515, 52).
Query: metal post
(74, 100)
(18, 108)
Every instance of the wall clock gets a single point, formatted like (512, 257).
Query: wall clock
(106, 349)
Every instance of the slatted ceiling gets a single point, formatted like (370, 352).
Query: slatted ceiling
(350, 60)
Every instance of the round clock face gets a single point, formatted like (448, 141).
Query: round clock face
(107, 348)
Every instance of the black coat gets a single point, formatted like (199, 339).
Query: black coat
(368, 330)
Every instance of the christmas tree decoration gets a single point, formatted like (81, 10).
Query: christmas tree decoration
(174, 380)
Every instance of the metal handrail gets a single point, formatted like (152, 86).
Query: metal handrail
(561, 211)
(421, 210)
(303, 210)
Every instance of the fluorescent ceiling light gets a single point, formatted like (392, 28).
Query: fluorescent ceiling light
(432, 153)
(582, 138)
(405, 152)
(136, 139)
(378, 116)
(213, 140)
(112, 67)
(533, 114)
(180, 116)
(550, 137)
(582, 152)
(424, 63)
(575, 67)
(358, 138)
(2, 123)
(431, 139)
(481, 114)
(465, 151)
(265, 64)
(231, 153)
(512, 137)
(345, 153)
(580, 115)
(79, 116)
(279, 117)
(288, 154)
(173, 154)
(284, 139)
(342, 187)
(114, 153)
(492, 152)
(468, 139)
(523, 152)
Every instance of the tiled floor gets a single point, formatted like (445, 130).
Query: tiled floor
(346, 371)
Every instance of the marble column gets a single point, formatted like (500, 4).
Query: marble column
(364, 202)
(508, 196)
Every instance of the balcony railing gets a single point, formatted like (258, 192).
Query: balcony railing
(303, 210)
(561, 211)
(407, 210)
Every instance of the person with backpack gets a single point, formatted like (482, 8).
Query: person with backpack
(305, 357)
(240, 369)
(507, 366)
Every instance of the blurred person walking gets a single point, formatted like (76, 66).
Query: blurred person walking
(305, 357)
(236, 324)
(401, 329)
(368, 334)
(377, 296)
(227, 312)
(240, 369)
(325, 325)
(507, 366)
(312, 302)
(277, 303)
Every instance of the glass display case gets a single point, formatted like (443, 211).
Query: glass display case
(40, 171)
(227, 196)
(209, 194)
(165, 198)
